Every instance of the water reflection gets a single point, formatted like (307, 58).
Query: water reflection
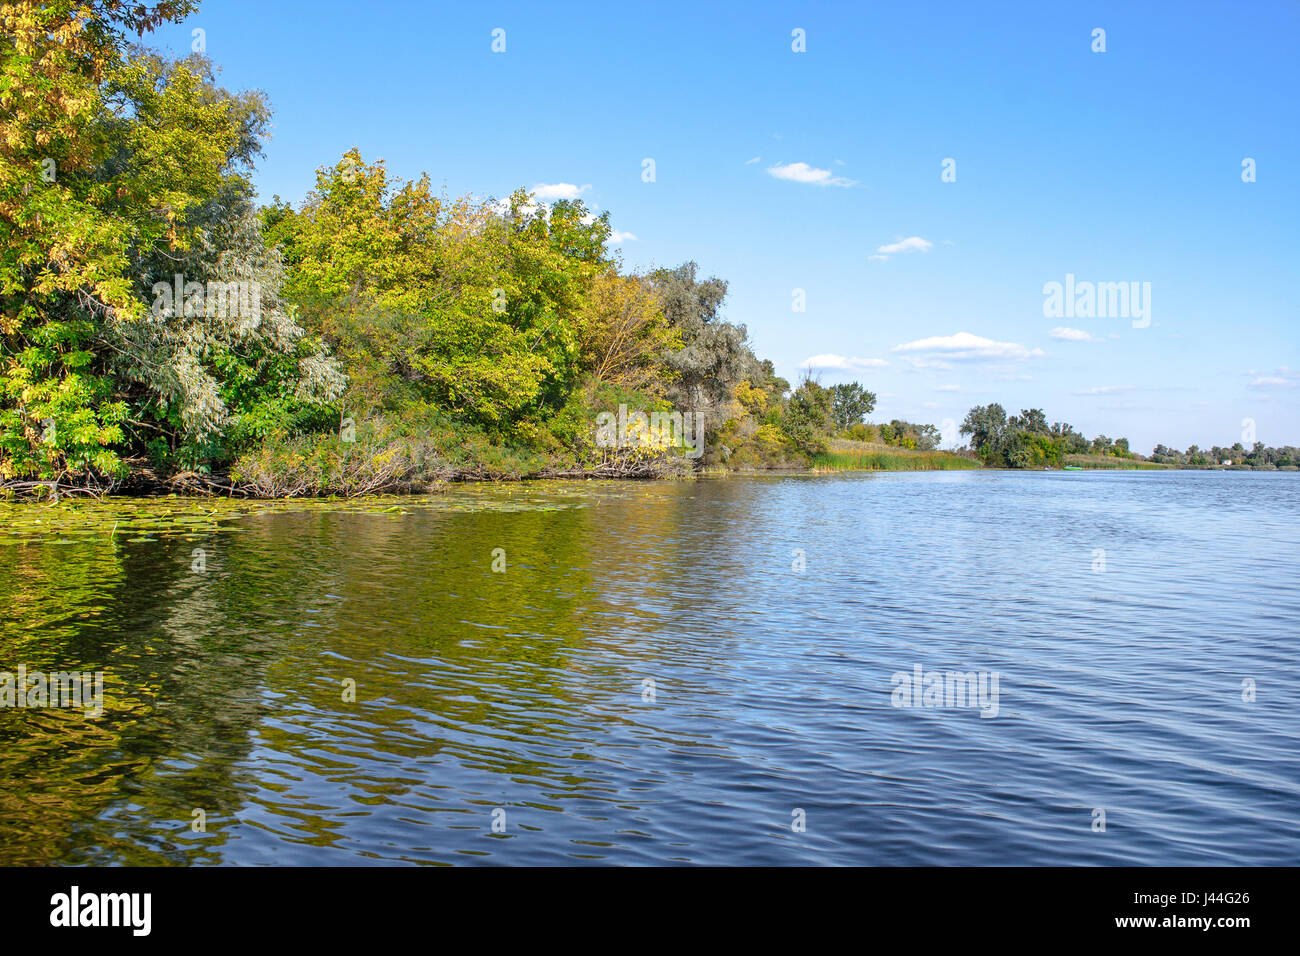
(651, 680)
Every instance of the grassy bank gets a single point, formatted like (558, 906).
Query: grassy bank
(868, 456)
(1110, 462)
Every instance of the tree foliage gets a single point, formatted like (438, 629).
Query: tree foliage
(153, 316)
(851, 404)
(118, 170)
(1027, 441)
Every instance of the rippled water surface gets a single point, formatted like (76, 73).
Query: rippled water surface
(651, 679)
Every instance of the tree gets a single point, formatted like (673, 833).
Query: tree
(1020, 450)
(474, 306)
(119, 172)
(807, 416)
(64, 258)
(624, 336)
(850, 404)
(909, 435)
(1031, 420)
(715, 355)
(927, 437)
(1069, 440)
(986, 425)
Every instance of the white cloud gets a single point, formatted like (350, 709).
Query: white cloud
(1105, 390)
(1278, 378)
(1071, 335)
(751, 162)
(948, 388)
(910, 244)
(803, 173)
(547, 192)
(963, 346)
(502, 207)
(841, 363)
(616, 236)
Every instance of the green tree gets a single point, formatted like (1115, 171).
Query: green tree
(715, 356)
(850, 404)
(1031, 420)
(474, 306)
(120, 170)
(807, 418)
(986, 425)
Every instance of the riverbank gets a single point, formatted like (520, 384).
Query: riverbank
(412, 470)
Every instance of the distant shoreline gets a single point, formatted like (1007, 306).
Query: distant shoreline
(200, 487)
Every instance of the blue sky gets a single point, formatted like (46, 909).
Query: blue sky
(821, 171)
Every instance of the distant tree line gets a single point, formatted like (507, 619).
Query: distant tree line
(1259, 456)
(1027, 441)
(851, 403)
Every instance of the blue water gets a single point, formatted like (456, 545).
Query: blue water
(652, 678)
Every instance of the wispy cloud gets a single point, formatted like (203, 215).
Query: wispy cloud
(751, 162)
(1105, 390)
(616, 236)
(910, 244)
(1278, 378)
(1072, 335)
(948, 388)
(936, 351)
(1119, 389)
(803, 173)
(548, 192)
(831, 361)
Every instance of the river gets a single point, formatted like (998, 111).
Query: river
(722, 671)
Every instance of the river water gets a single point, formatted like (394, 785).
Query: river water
(733, 671)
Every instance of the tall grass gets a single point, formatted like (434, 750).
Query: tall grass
(898, 460)
(1110, 462)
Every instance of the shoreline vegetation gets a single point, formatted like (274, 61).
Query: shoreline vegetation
(161, 332)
